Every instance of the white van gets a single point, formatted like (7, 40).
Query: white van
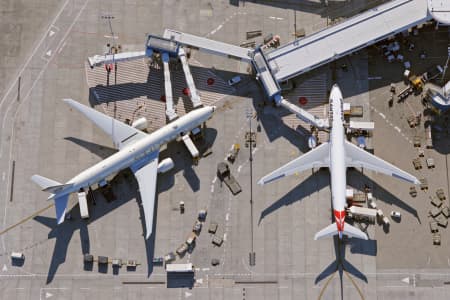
(234, 80)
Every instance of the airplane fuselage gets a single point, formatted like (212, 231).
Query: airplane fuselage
(337, 158)
(136, 151)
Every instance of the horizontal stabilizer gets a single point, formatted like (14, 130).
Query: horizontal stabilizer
(44, 182)
(349, 230)
(330, 230)
(49, 185)
(352, 231)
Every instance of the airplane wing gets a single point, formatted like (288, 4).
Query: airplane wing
(315, 158)
(357, 157)
(121, 133)
(146, 171)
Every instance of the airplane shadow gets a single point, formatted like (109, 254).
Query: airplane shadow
(340, 265)
(384, 195)
(64, 232)
(305, 188)
(335, 9)
(94, 148)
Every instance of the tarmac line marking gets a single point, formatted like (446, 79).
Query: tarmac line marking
(227, 216)
(382, 115)
(239, 168)
(398, 129)
(3, 176)
(62, 47)
(212, 188)
(34, 52)
(214, 180)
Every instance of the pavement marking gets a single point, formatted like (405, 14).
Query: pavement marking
(398, 129)
(227, 216)
(62, 47)
(26, 97)
(212, 188)
(3, 176)
(5, 268)
(239, 168)
(228, 19)
(36, 48)
(382, 115)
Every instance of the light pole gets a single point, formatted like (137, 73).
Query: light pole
(251, 140)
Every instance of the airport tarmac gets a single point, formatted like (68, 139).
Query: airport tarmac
(42, 135)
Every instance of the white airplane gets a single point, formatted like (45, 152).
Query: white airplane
(137, 150)
(338, 154)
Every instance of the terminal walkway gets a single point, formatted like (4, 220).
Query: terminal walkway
(351, 35)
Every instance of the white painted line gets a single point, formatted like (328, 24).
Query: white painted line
(3, 176)
(227, 216)
(5, 268)
(62, 47)
(239, 168)
(48, 53)
(24, 101)
(382, 115)
(214, 180)
(254, 151)
(225, 237)
(111, 37)
(36, 48)
(212, 188)
(398, 129)
(205, 269)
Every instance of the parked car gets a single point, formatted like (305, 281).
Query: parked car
(234, 80)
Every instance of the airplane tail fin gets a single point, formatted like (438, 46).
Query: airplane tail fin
(349, 230)
(49, 185)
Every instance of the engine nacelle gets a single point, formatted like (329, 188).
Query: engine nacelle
(140, 124)
(312, 142)
(165, 165)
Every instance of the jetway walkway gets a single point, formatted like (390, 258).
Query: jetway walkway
(207, 45)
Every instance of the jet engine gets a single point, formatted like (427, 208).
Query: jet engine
(140, 124)
(165, 165)
(312, 142)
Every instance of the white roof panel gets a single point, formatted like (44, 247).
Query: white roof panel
(331, 43)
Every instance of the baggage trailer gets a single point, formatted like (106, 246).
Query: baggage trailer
(180, 268)
(82, 202)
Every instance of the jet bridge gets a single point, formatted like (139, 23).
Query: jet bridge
(168, 48)
(305, 54)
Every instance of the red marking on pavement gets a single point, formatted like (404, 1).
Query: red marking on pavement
(302, 100)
